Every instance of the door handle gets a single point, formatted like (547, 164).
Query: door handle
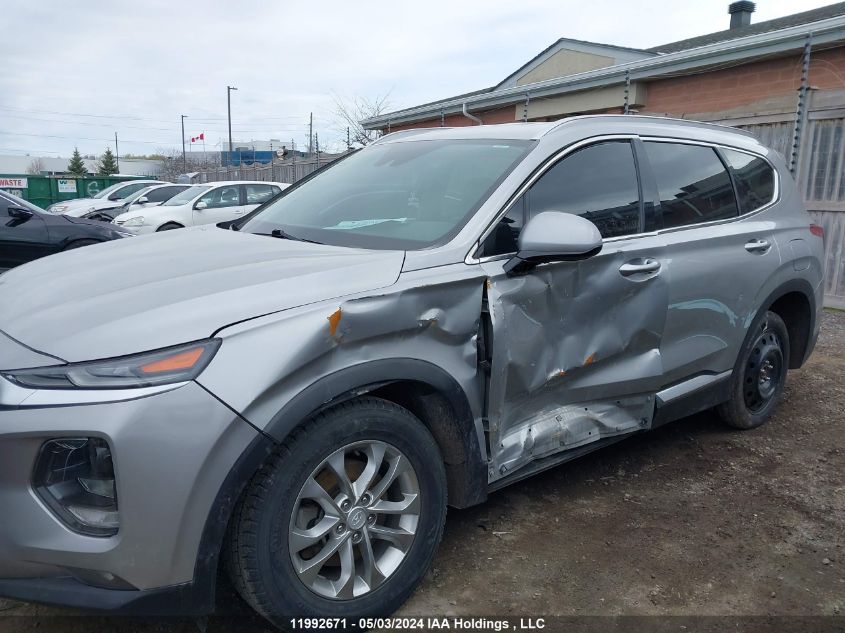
(757, 246)
(639, 267)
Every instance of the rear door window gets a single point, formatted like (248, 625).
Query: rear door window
(258, 194)
(754, 179)
(693, 184)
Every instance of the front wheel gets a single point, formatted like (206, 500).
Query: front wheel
(80, 243)
(759, 375)
(344, 519)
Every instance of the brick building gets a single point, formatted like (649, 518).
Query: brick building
(783, 80)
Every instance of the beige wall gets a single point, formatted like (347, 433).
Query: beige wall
(563, 63)
(598, 100)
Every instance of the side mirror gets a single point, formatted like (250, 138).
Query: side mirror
(142, 200)
(199, 206)
(115, 196)
(553, 236)
(20, 214)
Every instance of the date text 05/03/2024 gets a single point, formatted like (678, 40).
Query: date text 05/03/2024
(419, 624)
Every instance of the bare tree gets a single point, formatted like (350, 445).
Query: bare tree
(173, 167)
(352, 111)
(36, 166)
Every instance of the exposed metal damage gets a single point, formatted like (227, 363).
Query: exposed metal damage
(570, 334)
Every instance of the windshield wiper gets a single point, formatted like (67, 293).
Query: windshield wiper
(287, 236)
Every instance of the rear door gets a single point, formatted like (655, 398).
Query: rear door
(574, 351)
(716, 260)
(221, 204)
(22, 239)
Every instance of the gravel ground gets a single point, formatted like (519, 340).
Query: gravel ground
(693, 519)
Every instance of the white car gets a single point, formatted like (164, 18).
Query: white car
(202, 204)
(108, 198)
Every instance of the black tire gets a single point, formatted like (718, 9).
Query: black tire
(80, 244)
(170, 226)
(759, 374)
(257, 552)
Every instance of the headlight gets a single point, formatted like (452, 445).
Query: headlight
(161, 367)
(138, 220)
(58, 209)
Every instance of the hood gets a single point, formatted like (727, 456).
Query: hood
(73, 203)
(86, 205)
(163, 289)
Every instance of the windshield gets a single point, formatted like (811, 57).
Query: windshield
(404, 195)
(184, 197)
(109, 190)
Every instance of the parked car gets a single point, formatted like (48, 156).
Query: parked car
(151, 196)
(202, 204)
(437, 316)
(109, 198)
(27, 232)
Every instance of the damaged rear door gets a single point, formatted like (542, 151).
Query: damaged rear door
(574, 347)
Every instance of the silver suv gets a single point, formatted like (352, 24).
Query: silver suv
(296, 398)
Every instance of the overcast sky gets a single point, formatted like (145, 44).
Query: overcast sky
(76, 73)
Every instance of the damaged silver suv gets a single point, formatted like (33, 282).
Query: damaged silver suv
(294, 399)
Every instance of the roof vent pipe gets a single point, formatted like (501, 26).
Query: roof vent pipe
(471, 117)
(741, 13)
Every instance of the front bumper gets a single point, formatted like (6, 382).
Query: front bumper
(142, 229)
(181, 600)
(173, 451)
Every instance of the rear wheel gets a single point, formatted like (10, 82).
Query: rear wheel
(344, 519)
(759, 375)
(169, 227)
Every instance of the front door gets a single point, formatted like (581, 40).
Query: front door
(575, 349)
(218, 205)
(22, 238)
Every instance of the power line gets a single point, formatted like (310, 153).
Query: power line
(82, 138)
(135, 118)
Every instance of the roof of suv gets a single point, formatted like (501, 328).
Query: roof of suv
(534, 131)
(217, 183)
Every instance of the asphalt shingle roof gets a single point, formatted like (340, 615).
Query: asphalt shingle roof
(796, 19)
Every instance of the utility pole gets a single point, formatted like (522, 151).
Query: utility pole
(311, 134)
(317, 143)
(184, 160)
(229, 110)
(116, 153)
(348, 143)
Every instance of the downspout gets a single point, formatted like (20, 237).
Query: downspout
(471, 117)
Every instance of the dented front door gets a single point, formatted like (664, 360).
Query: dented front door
(575, 352)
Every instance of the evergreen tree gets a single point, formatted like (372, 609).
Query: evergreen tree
(107, 164)
(76, 167)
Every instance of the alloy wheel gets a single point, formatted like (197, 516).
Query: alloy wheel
(354, 520)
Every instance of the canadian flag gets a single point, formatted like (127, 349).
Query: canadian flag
(201, 137)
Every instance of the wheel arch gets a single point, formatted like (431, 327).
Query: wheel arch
(180, 225)
(794, 302)
(428, 391)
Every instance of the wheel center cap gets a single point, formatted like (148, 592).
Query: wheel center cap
(357, 518)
